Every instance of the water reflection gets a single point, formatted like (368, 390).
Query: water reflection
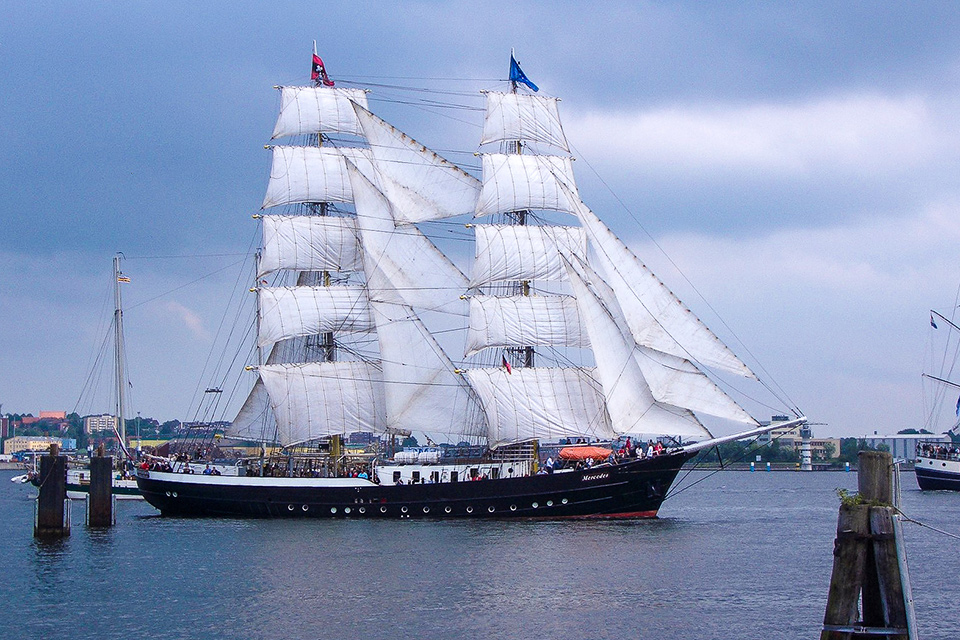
(740, 555)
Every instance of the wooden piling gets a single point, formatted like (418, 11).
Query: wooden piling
(869, 563)
(849, 560)
(51, 521)
(874, 479)
(100, 499)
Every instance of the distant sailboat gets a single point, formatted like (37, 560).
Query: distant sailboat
(347, 348)
(124, 484)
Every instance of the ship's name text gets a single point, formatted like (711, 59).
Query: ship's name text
(596, 476)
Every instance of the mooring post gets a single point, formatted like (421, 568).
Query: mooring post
(874, 476)
(100, 500)
(51, 519)
(849, 559)
(869, 564)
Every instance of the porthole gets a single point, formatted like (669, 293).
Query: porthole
(363, 509)
(535, 505)
(491, 509)
(513, 507)
(168, 494)
(403, 509)
(564, 501)
(346, 509)
(469, 509)
(289, 507)
(174, 494)
(549, 503)
(305, 507)
(426, 509)
(447, 509)
(383, 509)
(333, 509)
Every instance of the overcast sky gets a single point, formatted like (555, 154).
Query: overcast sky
(798, 163)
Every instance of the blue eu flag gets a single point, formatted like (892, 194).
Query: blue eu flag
(517, 74)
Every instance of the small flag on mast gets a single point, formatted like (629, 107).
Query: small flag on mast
(506, 365)
(318, 71)
(517, 74)
(932, 323)
(123, 279)
(958, 407)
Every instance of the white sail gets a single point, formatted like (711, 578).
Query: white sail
(540, 402)
(522, 116)
(324, 398)
(306, 110)
(631, 404)
(657, 319)
(419, 275)
(524, 252)
(513, 182)
(288, 312)
(418, 182)
(678, 382)
(312, 174)
(515, 321)
(309, 243)
(672, 381)
(255, 420)
(422, 389)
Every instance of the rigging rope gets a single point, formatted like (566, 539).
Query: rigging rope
(907, 518)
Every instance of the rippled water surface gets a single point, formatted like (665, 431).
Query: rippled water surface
(734, 555)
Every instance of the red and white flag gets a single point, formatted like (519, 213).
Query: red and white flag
(318, 71)
(506, 364)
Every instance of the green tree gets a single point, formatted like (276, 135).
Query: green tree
(169, 428)
(829, 451)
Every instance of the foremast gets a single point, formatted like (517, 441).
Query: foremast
(380, 262)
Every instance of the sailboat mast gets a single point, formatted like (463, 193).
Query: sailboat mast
(118, 350)
(526, 353)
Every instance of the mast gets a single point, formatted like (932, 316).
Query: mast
(327, 344)
(118, 278)
(524, 353)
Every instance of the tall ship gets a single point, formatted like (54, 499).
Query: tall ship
(570, 378)
(937, 465)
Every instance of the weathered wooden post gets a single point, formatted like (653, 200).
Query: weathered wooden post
(100, 500)
(52, 520)
(869, 563)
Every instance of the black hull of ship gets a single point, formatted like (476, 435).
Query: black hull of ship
(633, 489)
(937, 479)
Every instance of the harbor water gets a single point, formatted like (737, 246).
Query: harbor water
(733, 555)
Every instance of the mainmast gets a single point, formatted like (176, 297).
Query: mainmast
(524, 354)
(119, 278)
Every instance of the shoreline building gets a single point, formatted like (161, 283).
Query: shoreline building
(103, 422)
(17, 444)
(793, 437)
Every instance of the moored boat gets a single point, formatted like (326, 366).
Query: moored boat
(938, 466)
